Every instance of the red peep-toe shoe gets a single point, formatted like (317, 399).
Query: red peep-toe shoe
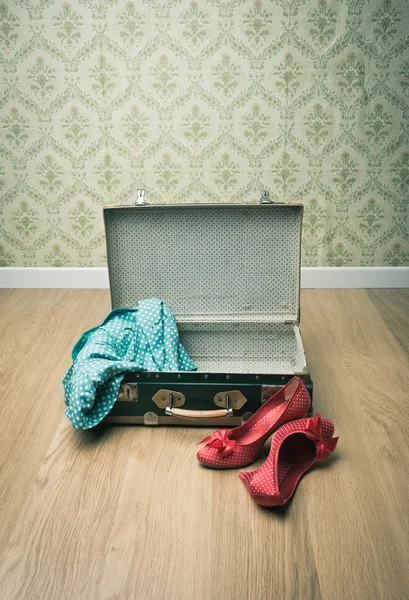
(232, 448)
(294, 449)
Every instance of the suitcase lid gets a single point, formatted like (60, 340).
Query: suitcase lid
(209, 262)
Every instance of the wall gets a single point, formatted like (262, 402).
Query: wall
(208, 101)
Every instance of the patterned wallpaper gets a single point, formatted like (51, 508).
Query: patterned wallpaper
(204, 101)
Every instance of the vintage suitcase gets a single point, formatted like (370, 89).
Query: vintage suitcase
(231, 274)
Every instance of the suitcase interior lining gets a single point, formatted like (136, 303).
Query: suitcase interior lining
(244, 347)
(210, 261)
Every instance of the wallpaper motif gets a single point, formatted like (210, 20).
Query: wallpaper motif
(210, 101)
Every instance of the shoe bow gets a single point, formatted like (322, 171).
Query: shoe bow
(220, 440)
(314, 431)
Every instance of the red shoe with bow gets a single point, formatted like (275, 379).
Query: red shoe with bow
(232, 448)
(294, 449)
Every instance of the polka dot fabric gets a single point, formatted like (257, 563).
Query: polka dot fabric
(268, 485)
(251, 436)
(143, 338)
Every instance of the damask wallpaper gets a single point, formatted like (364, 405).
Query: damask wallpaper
(204, 101)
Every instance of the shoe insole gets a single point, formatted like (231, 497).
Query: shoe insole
(296, 454)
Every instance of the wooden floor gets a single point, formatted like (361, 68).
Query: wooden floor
(127, 513)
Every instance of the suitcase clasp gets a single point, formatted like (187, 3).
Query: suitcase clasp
(128, 392)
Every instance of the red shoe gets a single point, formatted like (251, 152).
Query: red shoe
(232, 448)
(294, 449)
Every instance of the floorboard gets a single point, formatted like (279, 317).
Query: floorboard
(393, 307)
(126, 512)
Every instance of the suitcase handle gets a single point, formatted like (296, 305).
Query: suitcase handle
(197, 414)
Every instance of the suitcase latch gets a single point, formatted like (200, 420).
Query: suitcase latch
(128, 392)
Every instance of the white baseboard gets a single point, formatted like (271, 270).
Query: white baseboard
(54, 277)
(355, 277)
(97, 277)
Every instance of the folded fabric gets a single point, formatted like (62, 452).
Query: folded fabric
(143, 338)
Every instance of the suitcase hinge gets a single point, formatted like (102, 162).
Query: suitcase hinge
(140, 199)
(265, 198)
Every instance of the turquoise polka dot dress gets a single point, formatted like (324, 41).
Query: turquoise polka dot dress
(143, 338)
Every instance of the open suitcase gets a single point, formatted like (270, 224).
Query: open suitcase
(231, 275)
